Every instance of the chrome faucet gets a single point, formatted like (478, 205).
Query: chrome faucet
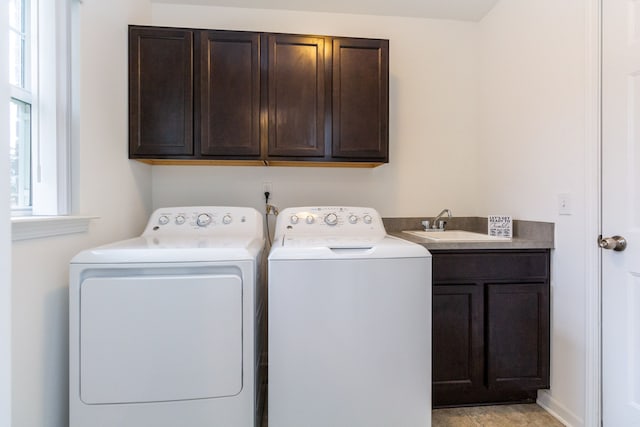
(438, 224)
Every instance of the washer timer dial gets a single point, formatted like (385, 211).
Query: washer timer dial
(331, 219)
(203, 220)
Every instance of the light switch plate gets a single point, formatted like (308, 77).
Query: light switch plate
(564, 204)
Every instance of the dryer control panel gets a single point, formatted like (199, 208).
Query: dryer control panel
(205, 221)
(335, 221)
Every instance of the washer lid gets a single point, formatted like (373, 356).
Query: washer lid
(294, 248)
(354, 242)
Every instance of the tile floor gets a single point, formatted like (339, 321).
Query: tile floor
(529, 415)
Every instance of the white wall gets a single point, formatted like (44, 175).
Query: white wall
(5, 231)
(433, 121)
(532, 115)
(513, 83)
(107, 185)
(486, 118)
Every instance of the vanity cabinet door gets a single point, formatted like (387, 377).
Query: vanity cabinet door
(160, 92)
(360, 114)
(517, 336)
(458, 341)
(491, 326)
(229, 90)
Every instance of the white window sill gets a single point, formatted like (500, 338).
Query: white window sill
(37, 227)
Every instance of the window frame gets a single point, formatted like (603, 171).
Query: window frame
(23, 124)
(51, 103)
(22, 95)
(59, 49)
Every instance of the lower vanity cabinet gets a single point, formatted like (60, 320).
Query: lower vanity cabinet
(490, 326)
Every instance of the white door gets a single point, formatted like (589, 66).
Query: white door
(621, 212)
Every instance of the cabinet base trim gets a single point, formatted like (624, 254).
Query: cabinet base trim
(201, 162)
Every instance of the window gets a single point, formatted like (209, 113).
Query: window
(20, 104)
(39, 109)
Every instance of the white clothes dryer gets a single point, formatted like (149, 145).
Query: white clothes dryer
(164, 328)
(349, 322)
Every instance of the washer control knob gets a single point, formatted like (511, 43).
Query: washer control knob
(331, 219)
(367, 219)
(180, 219)
(310, 219)
(227, 219)
(294, 219)
(353, 219)
(203, 220)
(163, 220)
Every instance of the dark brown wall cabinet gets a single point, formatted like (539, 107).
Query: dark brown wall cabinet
(297, 82)
(490, 326)
(229, 93)
(360, 98)
(205, 95)
(160, 92)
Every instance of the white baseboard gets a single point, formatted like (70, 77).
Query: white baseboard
(558, 410)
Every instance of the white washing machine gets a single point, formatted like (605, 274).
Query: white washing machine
(164, 328)
(349, 322)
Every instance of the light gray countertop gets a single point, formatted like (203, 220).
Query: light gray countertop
(526, 234)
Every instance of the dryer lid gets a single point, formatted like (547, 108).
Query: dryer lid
(172, 249)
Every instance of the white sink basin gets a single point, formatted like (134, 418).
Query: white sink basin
(455, 236)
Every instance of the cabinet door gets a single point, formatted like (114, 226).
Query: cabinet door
(360, 99)
(517, 336)
(230, 94)
(297, 78)
(458, 337)
(160, 92)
